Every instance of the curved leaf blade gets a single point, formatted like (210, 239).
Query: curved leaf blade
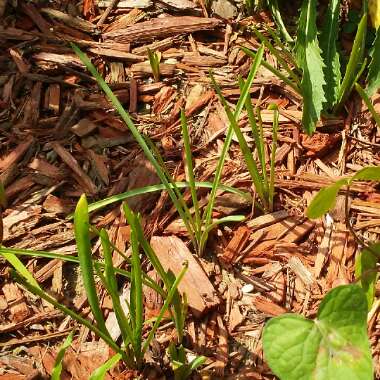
(324, 200)
(82, 237)
(371, 173)
(373, 78)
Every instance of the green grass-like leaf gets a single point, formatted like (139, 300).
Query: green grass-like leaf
(161, 173)
(207, 216)
(82, 237)
(370, 173)
(368, 103)
(100, 373)
(57, 369)
(354, 65)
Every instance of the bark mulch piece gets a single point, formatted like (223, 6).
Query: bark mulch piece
(60, 137)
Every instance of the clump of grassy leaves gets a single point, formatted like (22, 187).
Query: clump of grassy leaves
(313, 67)
(133, 346)
(199, 225)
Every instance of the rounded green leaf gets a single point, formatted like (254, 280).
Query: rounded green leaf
(335, 346)
(324, 200)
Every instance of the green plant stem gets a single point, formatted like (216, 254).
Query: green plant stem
(278, 56)
(219, 168)
(39, 292)
(50, 255)
(273, 155)
(272, 69)
(368, 103)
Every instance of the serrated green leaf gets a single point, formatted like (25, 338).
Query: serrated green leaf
(366, 271)
(371, 173)
(333, 347)
(373, 77)
(330, 54)
(324, 200)
(308, 56)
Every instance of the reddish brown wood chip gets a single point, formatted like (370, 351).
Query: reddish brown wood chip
(72, 163)
(162, 27)
(172, 253)
(16, 154)
(236, 244)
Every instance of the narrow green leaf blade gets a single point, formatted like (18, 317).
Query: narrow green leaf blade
(373, 78)
(100, 373)
(57, 369)
(19, 267)
(330, 54)
(371, 173)
(82, 237)
(324, 200)
(354, 63)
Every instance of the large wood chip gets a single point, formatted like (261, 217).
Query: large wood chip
(126, 3)
(268, 219)
(162, 27)
(16, 154)
(74, 22)
(236, 244)
(72, 163)
(14, 296)
(172, 253)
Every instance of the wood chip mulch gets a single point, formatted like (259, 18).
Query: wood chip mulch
(60, 137)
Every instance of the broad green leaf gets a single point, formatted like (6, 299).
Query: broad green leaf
(310, 61)
(334, 346)
(371, 173)
(324, 200)
(57, 369)
(373, 78)
(330, 54)
(100, 373)
(366, 271)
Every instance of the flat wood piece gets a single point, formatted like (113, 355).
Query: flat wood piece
(172, 253)
(162, 27)
(16, 154)
(236, 244)
(15, 299)
(72, 163)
